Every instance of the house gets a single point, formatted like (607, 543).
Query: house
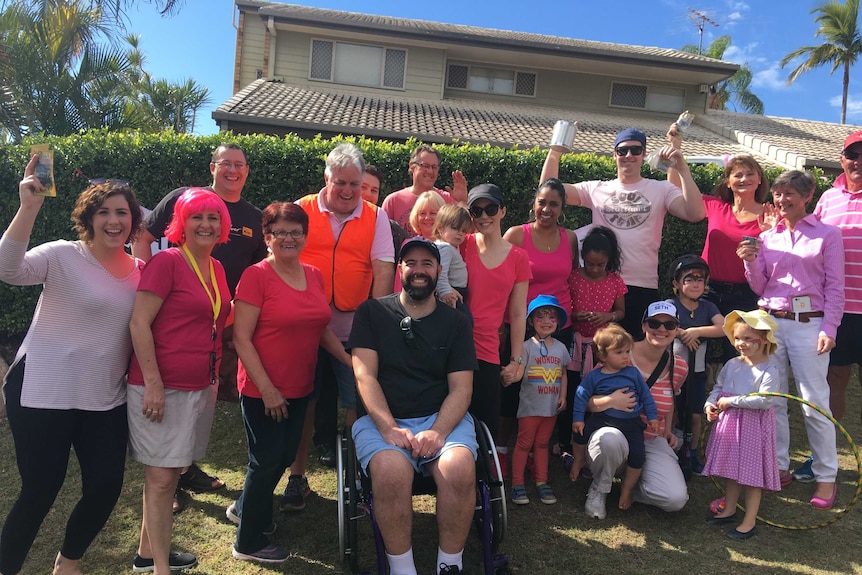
(314, 71)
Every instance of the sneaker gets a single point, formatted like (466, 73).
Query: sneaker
(595, 506)
(504, 464)
(294, 494)
(696, 463)
(233, 517)
(519, 495)
(804, 473)
(546, 494)
(269, 554)
(567, 459)
(177, 561)
(449, 569)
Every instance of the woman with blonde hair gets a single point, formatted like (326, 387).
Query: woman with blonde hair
(424, 213)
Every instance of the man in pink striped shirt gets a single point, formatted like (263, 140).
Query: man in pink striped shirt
(841, 206)
(797, 269)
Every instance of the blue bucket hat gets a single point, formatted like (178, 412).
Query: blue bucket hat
(630, 134)
(547, 301)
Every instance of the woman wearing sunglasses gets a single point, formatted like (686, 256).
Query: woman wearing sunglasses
(181, 308)
(661, 483)
(281, 318)
(499, 275)
(71, 392)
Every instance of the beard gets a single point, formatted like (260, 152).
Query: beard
(419, 293)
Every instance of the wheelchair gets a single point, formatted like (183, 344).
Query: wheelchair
(489, 519)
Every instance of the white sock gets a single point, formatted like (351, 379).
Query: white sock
(503, 450)
(450, 559)
(401, 564)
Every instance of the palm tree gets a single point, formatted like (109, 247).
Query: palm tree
(842, 46)
(172, 106)
(735, 90)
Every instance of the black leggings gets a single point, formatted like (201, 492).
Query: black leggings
(43, 441)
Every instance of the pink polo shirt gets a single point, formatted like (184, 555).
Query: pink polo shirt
(842, 208)
(807, 261)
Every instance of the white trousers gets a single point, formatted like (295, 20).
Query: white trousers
(797, 347)
(661, 483)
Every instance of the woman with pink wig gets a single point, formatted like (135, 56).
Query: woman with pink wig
(181, 307)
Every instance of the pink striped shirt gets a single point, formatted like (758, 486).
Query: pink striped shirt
(807, 261)
(842, 208)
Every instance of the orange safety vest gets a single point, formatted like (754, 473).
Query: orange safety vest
(350, 254)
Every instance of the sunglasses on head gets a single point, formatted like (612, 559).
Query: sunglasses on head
(669, 325)
(490, 209)
(635, 150)
(99, 181)
(852, 156)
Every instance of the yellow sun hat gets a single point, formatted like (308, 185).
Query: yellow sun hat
(757, 319)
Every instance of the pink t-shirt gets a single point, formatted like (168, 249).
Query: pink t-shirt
(599, 296)
(489, 293)
(288, 329)
(723, 234)
(842, 208)
(182, 329)
(550, 269)
(398, 205)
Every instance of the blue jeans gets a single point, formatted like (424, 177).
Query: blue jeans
(272, 448)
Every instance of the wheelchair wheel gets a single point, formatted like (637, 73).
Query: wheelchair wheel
(347, 501)
(488, 479)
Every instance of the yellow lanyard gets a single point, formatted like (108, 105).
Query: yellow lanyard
(214, 300)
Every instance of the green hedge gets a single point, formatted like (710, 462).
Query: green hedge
(285, 169)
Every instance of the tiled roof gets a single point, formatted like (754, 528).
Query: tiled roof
(272, 105)
(460, 34)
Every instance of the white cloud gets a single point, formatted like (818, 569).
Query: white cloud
(737, 5)
(854, 105)
(772, 78)
(733, 19)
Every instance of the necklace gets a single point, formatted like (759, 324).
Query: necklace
(547, 241)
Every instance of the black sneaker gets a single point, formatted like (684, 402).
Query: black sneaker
(269, 554)
(294, 494)
(327, 455)
(178, 562)
(449, 569)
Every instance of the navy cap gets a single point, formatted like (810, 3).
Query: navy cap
(419, 241)
(486, 191)
(630, 134)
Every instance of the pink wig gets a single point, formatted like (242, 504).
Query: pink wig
(195, 201)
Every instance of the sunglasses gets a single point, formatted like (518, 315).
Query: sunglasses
(491, 210)
(635, 150)
(407, 329)
(669, 325)
(852, 156)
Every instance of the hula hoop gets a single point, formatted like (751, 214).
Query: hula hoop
(835, 516)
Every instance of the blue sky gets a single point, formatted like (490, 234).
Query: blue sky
(199, 42)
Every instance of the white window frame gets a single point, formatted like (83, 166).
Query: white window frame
(345, 45)
(515, 73)
(646, 107)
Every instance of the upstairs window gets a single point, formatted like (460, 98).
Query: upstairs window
(357, 64)
(491, 80)
(652, 98)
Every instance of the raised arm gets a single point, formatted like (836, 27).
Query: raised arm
(690, 206)
(22, 224)
(551, 169)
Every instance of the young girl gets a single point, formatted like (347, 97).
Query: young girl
(424, 213)
(542, 396)
(614, 347)
(452, 225)
(699, 319)
(598, 297)
(742, 445)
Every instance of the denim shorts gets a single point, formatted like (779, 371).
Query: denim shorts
(369, 442)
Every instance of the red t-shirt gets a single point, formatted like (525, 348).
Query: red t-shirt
(488, 293)
(182, 330)
(288, 329)
(723, 234)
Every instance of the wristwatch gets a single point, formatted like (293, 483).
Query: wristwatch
(519, 359)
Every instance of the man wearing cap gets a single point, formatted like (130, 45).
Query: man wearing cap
(414, 361)
(797, 269)
(424, 167)
(634, 207)
(350, 242)
(841, 206)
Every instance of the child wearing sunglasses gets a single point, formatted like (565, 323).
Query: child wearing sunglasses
(542, 396)
(699, 320)
(742, 446)
(613, 348)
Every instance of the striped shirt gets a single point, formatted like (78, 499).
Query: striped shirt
(663, 393)
(842, 208)
(78, 345)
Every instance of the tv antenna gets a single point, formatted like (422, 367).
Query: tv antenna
(699, 19)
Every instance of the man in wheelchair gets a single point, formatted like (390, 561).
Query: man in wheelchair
(414, 359)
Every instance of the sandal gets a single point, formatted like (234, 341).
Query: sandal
(196, 480)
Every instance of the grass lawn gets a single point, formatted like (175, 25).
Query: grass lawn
(541, 538)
